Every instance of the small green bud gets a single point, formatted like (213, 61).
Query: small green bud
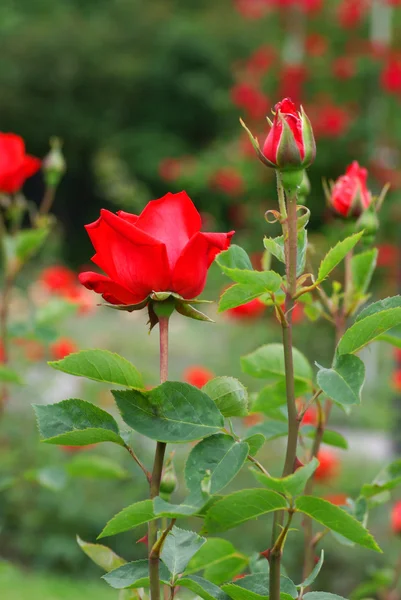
(54, 165)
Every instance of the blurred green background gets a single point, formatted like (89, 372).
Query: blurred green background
(146, 96)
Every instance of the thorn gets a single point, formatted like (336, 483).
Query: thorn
(143, 540)
(297, 464)
(265, 553)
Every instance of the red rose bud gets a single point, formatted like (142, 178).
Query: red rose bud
(15, 165)
(54, 165)
(161, 250)
(396, 517)
(329, 466)
(290, 144)
(197, 376)
(349, 195)
(62, 348)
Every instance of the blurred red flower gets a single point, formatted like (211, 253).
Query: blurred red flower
(397, 380)
(62, 348)
(397, 355)
(250, 310)
(170, 169)
(396, 517)
(261, 60)
(15, 165)
(388, 255)
(298, 313)
(292, 78)
(329, 466)
(228, 180)
(344, 68)
(57, 278)
(252, 9)
(197, 375)
(351, 13)
(390, 78)
(160, 250)
(349, 194)
(337, 499)
(316, 44)
(2, 353)
(330, 120)
(310, 417)
(251, 99)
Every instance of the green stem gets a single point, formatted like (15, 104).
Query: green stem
(154, 582)
(275, 559)
(290, 246)
(47, 200)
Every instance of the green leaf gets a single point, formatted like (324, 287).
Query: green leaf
(134, 575)
(229, 395)
(267, 362)
(171, 412)
(190, 506)
(322, 596)
(218, 458)
(100, 365)
(28, 242)
(344, 381)
(219, 559)
(394, 340)
(255, 443)
(330, 437)
(101, 555)
(276, 247)
(98, 467)
(256, 587)
(367, 329)
(236, 295)
(8, 375)
(76, 423)
(241, 506)
(336, 519)
(53, 478)
(314, 573)
(54, 311)
(362, 267)
(178, 549)
(387, 479)
(130, 517)
(273, 398)
(234, 258)
(379, 306)
(270, 429)
(203, 588)
(336, 255)
(292, 485)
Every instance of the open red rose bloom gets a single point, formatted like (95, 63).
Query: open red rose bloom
(15, 164)
(161, 250)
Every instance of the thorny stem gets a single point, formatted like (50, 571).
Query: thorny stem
(275, 559)
(323, 417)
(157, 470)
(290, 247)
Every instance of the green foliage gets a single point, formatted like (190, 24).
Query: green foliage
(214, 462)
(100, 365)
(101, 555)
(336, 519)
(314, 573)
(8, 375)
(276, 247)
(229, 395)
(129, 517)
(134, 575)
(25, 244)
(241, 506)
(267, 362)
(171, 412)
(292, 485)
(373, 321)
(336, 254)
(255, 443)
(344, 381)
(270, 429)
(236, 295)
(362, 267)
(330, 437)
(190, 506)
(387, 479)
(203, 588)
(219, 560)
(99, 467)
(256, 587)
(76, 423)
(178, 549)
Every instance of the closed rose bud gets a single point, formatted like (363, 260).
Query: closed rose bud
(290, 144)
(54, 164)
(349, 195)
(396, 517)
(329, 466)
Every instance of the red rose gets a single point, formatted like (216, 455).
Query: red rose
(15, 164)
(161, 250)
(396, 517)
(62, 348)
(197, 376)
(57, 278)
(250, 310)
(328, 468)
(290, 143)
(349, 194)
